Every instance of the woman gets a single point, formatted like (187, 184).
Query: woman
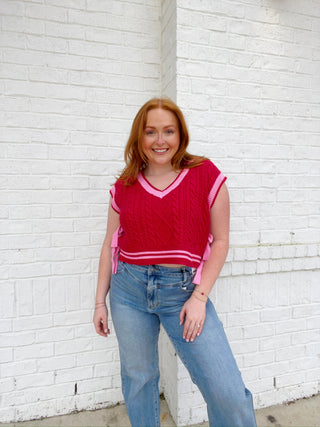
(166, 242)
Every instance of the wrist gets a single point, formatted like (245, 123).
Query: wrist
(203, 299)
(200, 292)
(100, 303)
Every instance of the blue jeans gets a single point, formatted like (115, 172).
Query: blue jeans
(142, 297)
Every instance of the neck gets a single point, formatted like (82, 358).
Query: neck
(158, 170)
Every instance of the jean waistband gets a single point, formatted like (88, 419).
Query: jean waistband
(156, 268)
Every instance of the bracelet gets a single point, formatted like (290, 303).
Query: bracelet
(100, 303)
(200, 292)
(200, 299)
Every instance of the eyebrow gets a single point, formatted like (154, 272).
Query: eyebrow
(165, 127)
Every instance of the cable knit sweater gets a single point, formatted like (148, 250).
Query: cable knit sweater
(170, 226)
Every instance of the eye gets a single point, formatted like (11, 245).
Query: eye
(170, 132)
(149, 132)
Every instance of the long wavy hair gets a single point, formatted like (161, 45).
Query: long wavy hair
(134, 156)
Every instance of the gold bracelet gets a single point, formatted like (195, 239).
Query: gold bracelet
(200, 299)
(200, 292)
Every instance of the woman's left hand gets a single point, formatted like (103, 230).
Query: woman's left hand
(193, 315)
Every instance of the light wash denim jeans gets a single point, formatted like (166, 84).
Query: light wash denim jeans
(141, 298)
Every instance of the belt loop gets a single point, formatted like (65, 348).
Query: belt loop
(184, 274)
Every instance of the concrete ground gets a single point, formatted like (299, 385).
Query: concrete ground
(301, 413)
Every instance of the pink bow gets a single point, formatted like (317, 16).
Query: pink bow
(205, 257)
(115, 248)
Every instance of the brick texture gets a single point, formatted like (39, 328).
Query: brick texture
(247, 80)
(72, 76)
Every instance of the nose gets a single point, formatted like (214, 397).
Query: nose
(160, 139)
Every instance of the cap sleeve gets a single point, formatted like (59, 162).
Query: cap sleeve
(216, 178)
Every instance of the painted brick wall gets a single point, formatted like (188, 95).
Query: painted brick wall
(168, 48)
(248, 80)
(167, 355)
(73, 74)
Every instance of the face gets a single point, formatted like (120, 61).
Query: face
(161, 138)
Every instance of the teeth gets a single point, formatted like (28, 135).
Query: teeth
(160, 150)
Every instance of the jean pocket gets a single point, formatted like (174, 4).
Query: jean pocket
(188, 287)
(120, 267)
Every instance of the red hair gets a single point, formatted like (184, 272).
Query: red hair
(134, 156)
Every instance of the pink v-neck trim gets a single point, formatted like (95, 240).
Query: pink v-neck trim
(161, 193)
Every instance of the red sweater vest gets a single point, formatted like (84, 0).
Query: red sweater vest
(171, 226)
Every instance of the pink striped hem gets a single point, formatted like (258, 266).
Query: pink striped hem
(215, 189)
(113, 203)
(160, 255)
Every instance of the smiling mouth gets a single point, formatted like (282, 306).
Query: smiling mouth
(160, 150)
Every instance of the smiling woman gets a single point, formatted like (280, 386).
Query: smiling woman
(161, 140)
(149, 128)
(166, 242)
(160, 143)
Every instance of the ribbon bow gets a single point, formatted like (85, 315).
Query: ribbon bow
(115, 248)
(205, 257)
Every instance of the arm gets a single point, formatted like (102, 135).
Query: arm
(220, 218)
(100, 318)
(194, 310)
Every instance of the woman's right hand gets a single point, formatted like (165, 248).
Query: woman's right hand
(100, 320)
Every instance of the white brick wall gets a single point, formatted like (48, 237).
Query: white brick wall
(247, 78)
(169, 362)
(168, 48)
(72, 76)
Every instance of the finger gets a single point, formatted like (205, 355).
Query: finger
(101, 326)
(97, 325)
(185, 329)
(189, 329)
(182, 315)
(100, 331)
(104, 326)
(199, 329)
(195, 331)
